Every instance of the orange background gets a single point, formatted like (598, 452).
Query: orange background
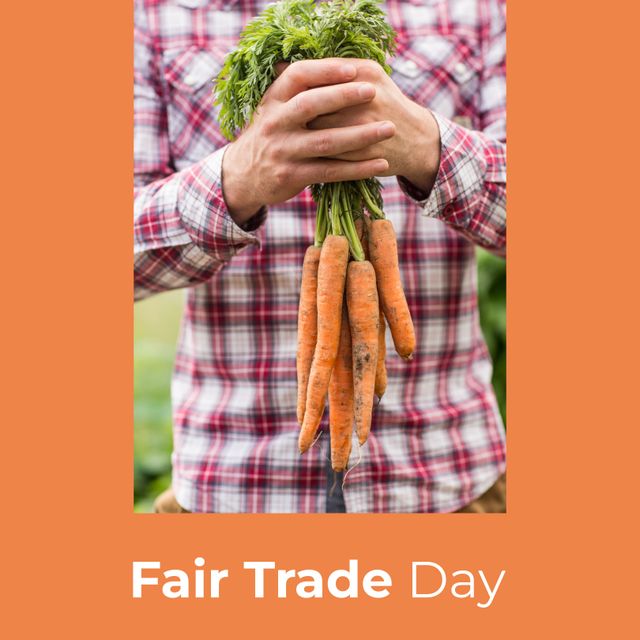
(69, 534)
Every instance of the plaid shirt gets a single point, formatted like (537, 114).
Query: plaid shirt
(437, 440)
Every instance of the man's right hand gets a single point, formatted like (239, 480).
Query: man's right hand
(277, 156)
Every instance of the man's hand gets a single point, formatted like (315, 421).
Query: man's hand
(277, 155)
(414, 150)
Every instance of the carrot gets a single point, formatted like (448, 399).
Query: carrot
(364, 314)
(341, 399)
(307, 324)
(384, 257)
(332, 270)
(381, 369)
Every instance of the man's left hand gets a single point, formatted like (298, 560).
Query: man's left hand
(414, 150)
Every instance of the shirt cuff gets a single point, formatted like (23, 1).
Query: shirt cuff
(205, 215)
(460, 177)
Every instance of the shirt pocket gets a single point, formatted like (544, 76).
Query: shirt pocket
(192, 118)
(441, 73)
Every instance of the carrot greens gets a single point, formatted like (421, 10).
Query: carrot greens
(293, 30)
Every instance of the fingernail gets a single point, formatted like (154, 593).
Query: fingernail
(366, 91)
(386, 129)
(348, 70)
(381, 165)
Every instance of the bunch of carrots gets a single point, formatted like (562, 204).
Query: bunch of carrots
(350, 276)
(341, 329)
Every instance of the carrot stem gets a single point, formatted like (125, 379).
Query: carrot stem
(374, 209)
(349, 229)
(321, 220)
(336, 210)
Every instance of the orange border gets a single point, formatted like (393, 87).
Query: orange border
(70, 533)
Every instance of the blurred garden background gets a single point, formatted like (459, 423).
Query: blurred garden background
(156, 323)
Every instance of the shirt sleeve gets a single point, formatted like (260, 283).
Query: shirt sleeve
(469, 192)
(183, 232)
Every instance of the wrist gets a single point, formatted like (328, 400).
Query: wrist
(238, 197)
(424, 160)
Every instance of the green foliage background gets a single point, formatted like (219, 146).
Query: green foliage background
(155, 332)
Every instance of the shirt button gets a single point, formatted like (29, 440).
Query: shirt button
(460, 68)
(410, 66)
(190, 80)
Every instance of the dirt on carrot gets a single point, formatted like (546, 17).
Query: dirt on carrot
(364, 314)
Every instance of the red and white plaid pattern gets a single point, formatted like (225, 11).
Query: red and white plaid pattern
(437, 440)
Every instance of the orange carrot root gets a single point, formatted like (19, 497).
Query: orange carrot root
(307, 324)
(364, 314)
(384, 257)
(341, 400)
(332, 270)
(381, 368)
